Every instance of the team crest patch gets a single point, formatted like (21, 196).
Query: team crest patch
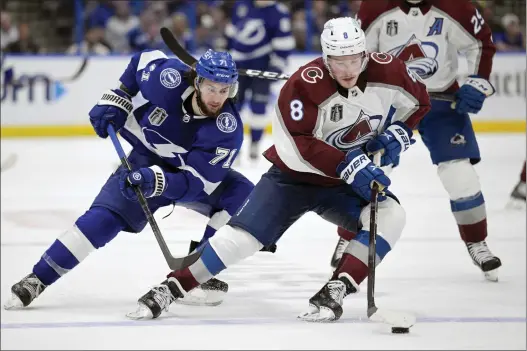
(226, 122)
(157, 116)
(170, 78)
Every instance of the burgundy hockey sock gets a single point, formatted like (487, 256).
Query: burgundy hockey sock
(471, 217)
(185, 278)
(346, 234)
(522, 176)
(353, 266)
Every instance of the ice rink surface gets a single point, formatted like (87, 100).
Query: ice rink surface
(429, 272)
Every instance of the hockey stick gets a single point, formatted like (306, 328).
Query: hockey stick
(9, 162)
(174, 263)
(176, 48)
(400, 321)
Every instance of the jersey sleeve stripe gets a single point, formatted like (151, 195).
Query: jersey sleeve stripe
(149, 56)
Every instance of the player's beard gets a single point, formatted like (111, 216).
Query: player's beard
(203, 107)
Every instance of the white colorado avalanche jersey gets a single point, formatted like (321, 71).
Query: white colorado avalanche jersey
(429, 36)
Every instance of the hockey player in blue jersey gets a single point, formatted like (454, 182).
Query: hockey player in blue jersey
(258, 37)
(185, 132)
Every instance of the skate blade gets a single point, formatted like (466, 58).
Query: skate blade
(315, 315)
(492, 276)
(142, 312)
(14, 303)
(200, 297)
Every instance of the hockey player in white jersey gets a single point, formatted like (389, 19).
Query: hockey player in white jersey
(330, 115)
(428, 34)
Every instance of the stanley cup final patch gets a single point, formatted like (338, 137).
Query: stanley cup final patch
(226, 122)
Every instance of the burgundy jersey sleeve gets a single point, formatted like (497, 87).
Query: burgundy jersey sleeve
(399, 86)
(295, 130)
(470, 34)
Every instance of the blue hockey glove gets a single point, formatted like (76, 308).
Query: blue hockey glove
(395, 139)
(358, 171)
(114, 107)
(472, 94)
(151, 181)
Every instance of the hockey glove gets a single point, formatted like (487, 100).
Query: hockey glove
(114, 107)
(395, 139)
(470, 97)
(151, 181)
(358, 171)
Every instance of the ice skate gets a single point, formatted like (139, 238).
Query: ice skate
(157, 300)
(24, 292)
(484, 259)
(326, 305)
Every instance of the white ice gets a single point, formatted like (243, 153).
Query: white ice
(428, 273)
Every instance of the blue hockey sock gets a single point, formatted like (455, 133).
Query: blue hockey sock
(91, 231)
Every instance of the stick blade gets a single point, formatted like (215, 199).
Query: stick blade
(183, 262)
(393, 318)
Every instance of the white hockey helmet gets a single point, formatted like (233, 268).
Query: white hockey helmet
(415, 2)
(342, 36)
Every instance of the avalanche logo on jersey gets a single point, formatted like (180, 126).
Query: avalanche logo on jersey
(420, 56)
(161, 145)
(349, 137)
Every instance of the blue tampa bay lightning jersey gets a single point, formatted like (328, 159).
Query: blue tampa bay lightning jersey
(197, 150)
(260, 37)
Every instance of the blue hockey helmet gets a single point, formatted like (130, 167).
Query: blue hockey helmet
(218, 67)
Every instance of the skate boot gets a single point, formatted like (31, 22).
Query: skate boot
(326, 305)
(484, 259)
(339, 251)
(210, 293)
(24, 292)
(517, 198)
(157, 300)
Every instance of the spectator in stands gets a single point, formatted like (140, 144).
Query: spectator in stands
(511, 39)
(118, 27)
(92, 44)
(9, 32)
(25, 43)
(146, 35)
(101, 14)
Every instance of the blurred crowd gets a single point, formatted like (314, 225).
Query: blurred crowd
(123, 27)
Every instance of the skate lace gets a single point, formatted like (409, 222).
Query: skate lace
(480, 252)
(34, 286)
(163, 296)
(337, 289)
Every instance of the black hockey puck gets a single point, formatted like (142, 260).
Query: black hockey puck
(400, 330)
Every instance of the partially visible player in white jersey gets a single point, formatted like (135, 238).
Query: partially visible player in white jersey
(331, 115)
(428, 35)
